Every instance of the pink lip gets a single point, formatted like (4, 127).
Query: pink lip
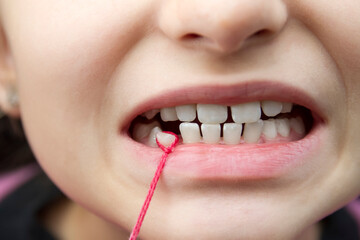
(243, 161)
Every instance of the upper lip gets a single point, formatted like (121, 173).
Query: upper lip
(229, 95)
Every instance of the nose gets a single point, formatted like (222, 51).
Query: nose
(223, 26)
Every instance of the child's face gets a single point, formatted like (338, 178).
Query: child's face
(86, 69)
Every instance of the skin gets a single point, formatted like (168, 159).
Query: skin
(81, 67)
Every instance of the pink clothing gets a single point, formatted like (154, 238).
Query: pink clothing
(11, 180)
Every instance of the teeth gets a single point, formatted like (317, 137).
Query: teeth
(165, 139)
(252, 131)
(152, 136)
(168, 114)
(283, 127)
(190, 132)
(269, 129)
(232, 133)
(247, 112)
(151, 114)
(271, 108)
(141, 130)
(211, 113)
(297, 125)
(287, 107)
(210, 133)
(186, 113)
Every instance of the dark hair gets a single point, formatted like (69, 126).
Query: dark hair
(14, 148)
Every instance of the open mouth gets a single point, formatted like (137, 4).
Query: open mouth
(258, 122)
(256, 130)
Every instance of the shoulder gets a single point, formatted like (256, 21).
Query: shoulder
(20, 209)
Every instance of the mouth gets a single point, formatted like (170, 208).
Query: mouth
(251, 131)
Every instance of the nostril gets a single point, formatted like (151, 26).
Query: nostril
(262, 32)
(191, 36)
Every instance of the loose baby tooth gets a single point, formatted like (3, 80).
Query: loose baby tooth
(287, 107)
(152, 136)
(271, 108)
(252, 131)
(165, 139)
(246, 112)
(142, 130)
(297, 125)
(232, 133)
(211, 113)
(186, 113)
(168, 114)
(150, 114)
(190, 132)
(283, 127)
(210, 133)
(269, 129)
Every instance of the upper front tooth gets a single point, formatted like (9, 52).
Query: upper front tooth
(287, 107)
(210, 133)
(252, 131)
(271, 108)
(246, 112)
(186, 113)
(211, 113)
(168, 114)
(150, 114)
(232, 133)
(190, 132)
(269, 129)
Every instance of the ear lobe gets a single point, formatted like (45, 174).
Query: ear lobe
(9, 103)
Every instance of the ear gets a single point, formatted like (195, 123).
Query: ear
(8, 91)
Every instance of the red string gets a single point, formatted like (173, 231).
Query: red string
(167, 151)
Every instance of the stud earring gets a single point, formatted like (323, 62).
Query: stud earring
(12, 97)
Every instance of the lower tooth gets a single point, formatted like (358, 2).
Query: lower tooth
(283, 127)
(190, 132)
(211, 133)
(269, 129)
(152, 136)
(232, 133)
(141, 130)
(297, 124)
(165, 139)
(252, 131)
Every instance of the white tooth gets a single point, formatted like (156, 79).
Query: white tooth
(190, 132)
(168, 114)
(186, 113)
(232, 133)
(297, 125)
(271, 108)
(252, 131)
(283, 127)
(211, 113)
(150, 114)
(287, 107)
(152, 136)
(165, 139)
(269, 129)
(210, 133)
(246, 112)
(143, 130)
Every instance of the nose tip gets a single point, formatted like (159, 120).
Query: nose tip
(221, 25)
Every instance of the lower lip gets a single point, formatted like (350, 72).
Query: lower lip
(244, 161)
